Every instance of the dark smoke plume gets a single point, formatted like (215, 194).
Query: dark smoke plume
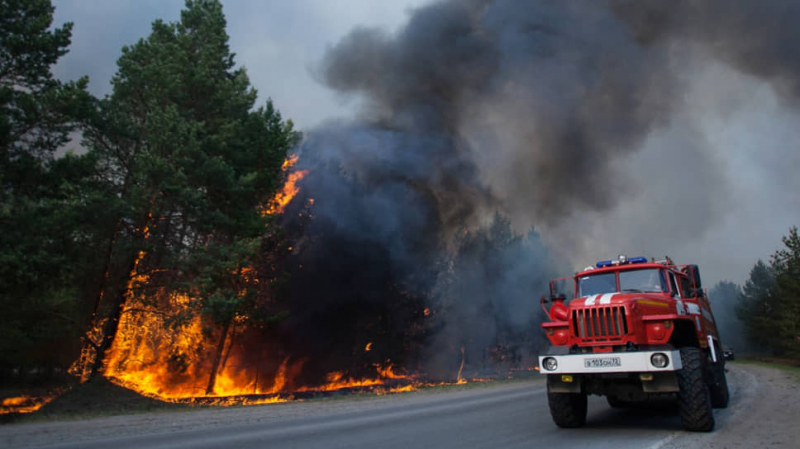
(532, 110)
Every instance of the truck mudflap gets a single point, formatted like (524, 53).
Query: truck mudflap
(611, 362)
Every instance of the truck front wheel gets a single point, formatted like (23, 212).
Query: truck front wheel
(719, 385)
(568, 409)
(694, 395)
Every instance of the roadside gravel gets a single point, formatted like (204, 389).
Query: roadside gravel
(763, 412)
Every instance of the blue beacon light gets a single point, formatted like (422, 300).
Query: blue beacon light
(609, 263)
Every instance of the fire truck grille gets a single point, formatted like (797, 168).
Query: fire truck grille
(599, 323)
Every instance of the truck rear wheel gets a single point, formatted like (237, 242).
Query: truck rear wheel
(694, 395)
(567, 409)
(719, 385)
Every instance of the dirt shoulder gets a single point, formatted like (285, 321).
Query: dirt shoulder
(763, 412)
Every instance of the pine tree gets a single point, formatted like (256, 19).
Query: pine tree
(757, 305)
(40, 256)
(786, 263)
(770, 301)
(189, 162)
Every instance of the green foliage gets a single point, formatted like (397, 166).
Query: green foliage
(42, 257)
(36, 111)
(787, 281)
(770, 300)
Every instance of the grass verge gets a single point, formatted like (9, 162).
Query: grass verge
(785, 365)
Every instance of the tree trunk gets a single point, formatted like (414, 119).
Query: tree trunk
(212, 378)
(230, 348)
(88, 344)
(123, 292)
(112, 324)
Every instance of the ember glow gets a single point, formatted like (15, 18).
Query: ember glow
(25, 403)
(146, 352)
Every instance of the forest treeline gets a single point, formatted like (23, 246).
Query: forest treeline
(763, 316)
(167, 193)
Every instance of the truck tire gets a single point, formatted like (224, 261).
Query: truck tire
(567, 409)
(719, 385)
(694, 396)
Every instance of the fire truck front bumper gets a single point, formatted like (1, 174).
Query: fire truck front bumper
(611, 362)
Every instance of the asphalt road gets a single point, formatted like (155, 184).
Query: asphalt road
(500, 415)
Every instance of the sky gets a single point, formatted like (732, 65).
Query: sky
(751, 191)
(278, 42)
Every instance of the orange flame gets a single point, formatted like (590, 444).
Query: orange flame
(278, 203)
(156, 357)
(289, 162)
(25, 403)
(153, 358)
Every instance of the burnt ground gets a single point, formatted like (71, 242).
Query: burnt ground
(101, 397)
(96, 398)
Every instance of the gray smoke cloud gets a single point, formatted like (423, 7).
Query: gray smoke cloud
(566, 115)
(533, 97)
(754, 37)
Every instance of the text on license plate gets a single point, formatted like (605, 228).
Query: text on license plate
(602, 362)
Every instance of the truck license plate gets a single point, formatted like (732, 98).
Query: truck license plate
(602, 362)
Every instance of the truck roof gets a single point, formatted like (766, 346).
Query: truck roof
(633, 266)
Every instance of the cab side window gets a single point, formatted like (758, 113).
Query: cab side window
(673, 284)
(685, 287)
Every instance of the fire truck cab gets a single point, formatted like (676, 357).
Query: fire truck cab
(632, 329)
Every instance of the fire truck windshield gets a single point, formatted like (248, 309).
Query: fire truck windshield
(596, 284)
(643, 281)
(648, 280)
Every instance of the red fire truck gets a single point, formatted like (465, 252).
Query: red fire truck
(630, 330)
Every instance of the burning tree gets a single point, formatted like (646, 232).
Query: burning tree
(186, 165)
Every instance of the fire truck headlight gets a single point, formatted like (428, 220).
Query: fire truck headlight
(659, 360)
(550, 364)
